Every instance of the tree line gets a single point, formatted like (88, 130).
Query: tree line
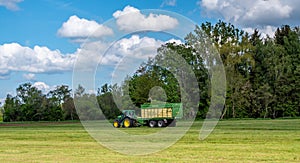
(31, 104)
(262, 80)
(262, 74)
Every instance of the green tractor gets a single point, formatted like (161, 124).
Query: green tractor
(127, 119)
(152, 115)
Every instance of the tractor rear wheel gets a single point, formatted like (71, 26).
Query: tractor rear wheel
(152, 124)
(127, 122)
(161, 124)
(116, 124)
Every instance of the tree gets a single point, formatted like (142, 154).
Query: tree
(30, 98)
(85, 105)
(79, 92)
(62, 102)
(106, 102)
(69, 109)
(11, 109)
(234, 48)
(163, 78)
(60, 94)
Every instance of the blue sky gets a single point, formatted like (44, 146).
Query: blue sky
(40, 40)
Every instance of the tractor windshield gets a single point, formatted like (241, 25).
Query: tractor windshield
(129, 113)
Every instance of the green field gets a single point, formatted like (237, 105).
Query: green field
(231, 141)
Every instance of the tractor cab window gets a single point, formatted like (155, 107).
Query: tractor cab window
(125, 113)
(129, 113)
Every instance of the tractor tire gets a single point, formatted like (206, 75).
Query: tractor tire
(116, 124)
(134, 123)
(152, 124)
(127, 123)
(161, 124)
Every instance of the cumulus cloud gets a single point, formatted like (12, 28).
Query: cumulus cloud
(136, 47)
(177, 42)
(40, 59)
(92, 53)
(265, 31)
(131, 19)
(132, 52)
(10, 4)
(262, 14)
(42, 86)
(76, 27)
(29, 76)
(210, 5)
(89, 54)
(168, 3)
(14, 57)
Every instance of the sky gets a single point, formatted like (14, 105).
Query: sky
(41, 41)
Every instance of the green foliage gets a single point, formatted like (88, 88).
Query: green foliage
(107, 105)
(262, 75)
(30, 104)
(162, 78)
(1, 114)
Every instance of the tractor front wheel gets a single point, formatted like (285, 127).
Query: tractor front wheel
(116, 124)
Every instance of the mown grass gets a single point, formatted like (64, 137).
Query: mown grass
(231, 141)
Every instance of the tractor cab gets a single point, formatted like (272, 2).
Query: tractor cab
(129, 113)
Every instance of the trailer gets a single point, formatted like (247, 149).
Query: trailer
(152, 115)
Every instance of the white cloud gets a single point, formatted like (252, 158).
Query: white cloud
(131, 19)
(14, 57)
(267, 12)
(10, 4)
(132, 52)
(177, 42)
(39, 59)
(261, 14)
(264, 31)
(76, 27)
(92, 53)
(168, 3)
(209, 4)
(89, 55)
(135, 48)
(42, 86)
(29, 76)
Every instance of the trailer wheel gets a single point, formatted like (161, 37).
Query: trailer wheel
(127, 122)
(152, 123)
(116, 124)
(161, 124)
